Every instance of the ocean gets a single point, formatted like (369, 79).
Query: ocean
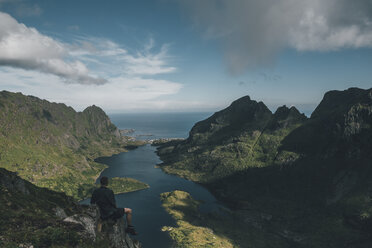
(158, 125)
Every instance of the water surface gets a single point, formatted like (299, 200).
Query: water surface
(158, 125)
(148, 214)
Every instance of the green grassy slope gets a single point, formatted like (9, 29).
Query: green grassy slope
(197, 229)
(312, 178)
(52, 145)
(244, 135)
(28, 216)
(119, 185)
(189, 232)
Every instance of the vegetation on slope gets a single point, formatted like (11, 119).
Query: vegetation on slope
(119, 185)
(313, 178)
(244, 135)
(53, 146)
(29, 216)
(189, 234)
(197, 229)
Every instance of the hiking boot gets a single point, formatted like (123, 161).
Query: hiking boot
(131, 230)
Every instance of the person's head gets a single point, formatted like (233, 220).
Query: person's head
(104, 181)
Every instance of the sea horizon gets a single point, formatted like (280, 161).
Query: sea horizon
(148, 126)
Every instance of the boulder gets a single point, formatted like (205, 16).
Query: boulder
(114, 231)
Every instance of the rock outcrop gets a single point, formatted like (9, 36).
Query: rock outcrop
(339, 127)
(114, 231)
(33, 216)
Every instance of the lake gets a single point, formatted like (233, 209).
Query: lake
(148, 214)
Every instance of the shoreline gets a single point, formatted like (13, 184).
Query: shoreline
(119, 193)
(107, 153)
(94, 184)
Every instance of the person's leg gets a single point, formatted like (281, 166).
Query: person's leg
(130, 229)
(128, 212)
(99, 225)
(118, 213)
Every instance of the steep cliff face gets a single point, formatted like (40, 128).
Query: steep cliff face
(311, 176)
(243, 115)
(53, 146)
(340, 127)
(286, 117)
(99, 123)
(33, 216)
(246, 134)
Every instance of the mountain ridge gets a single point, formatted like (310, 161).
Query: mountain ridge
(246, 131)
(52, 145)
(311, 176)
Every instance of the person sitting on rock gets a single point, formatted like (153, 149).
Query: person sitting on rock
(105, 200)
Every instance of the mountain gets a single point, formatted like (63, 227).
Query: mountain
(305, 180)
(38, 217)
(52, 145)
(245, 134)
(340, 126)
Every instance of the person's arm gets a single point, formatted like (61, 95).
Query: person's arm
(112, 199)
(93, 200)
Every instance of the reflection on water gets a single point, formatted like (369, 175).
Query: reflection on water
(148, 214)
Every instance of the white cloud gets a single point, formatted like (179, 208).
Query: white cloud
(315, 33)
(137, 63)
(40, 65)
(119, 95)
(26, 48)
(147, 63)
(253, 32)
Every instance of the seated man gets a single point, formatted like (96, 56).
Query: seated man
(105, 199)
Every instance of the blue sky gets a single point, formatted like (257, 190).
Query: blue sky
(184, 55)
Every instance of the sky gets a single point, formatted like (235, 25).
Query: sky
(184, 55)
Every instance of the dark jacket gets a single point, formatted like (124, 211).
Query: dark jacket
(105, 199)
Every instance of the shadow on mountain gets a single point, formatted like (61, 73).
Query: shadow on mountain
(306, 181)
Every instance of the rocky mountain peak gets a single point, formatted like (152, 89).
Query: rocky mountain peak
(99, 122)
(285, 112)
(285, 117)
(246, 105)
(241, 115)
(338, 102)
(242, 100)
(341, 123)
(93, 109)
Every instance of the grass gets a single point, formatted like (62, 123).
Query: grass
(215, 161)
(312, 177)
(119, 185)
(223, 229)
(28, 217)
(188, 234)
(125, 185)
(53, 146)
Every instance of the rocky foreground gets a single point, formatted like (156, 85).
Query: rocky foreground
(38, 217)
